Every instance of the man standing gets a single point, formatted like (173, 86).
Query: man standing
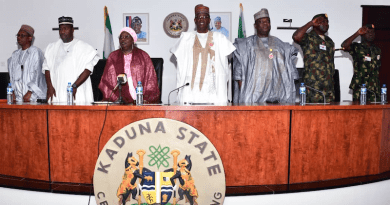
(136, 24)
(202, 62)
(264, 66)
(318, 56)
(219, 27)
(366, 62)
(69, 60)
(24, 68)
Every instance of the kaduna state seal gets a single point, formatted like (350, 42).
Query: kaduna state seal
(174, 24)
(159, 161)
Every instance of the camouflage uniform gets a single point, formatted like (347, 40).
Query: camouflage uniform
(365, 72)
(319, 67)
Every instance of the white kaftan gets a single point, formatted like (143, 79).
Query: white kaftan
(66, 61)
(214, 89)
(30, 77)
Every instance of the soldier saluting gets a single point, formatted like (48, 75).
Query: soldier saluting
(366, 62)
(318, 56)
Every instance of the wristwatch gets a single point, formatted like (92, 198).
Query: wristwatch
(74, 85)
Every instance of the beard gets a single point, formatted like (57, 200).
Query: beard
(323, 28)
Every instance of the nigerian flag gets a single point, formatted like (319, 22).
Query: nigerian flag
(108, 40)
(241, 24)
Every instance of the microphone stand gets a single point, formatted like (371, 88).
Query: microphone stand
(373, 93)
(317, 91)
(176, 89)
(120, 99)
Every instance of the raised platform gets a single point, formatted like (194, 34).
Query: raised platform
(264, 148)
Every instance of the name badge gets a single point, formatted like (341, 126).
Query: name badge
(322, 47)
(367, 58)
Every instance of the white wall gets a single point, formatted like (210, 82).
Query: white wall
(373, 194)
(345, 17)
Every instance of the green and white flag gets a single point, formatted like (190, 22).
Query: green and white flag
(108, 39)
(241, 24)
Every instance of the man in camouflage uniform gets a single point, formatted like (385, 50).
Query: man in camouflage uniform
(366, 62)
(318, 57)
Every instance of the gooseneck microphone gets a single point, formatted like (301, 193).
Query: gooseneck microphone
(187, 84)
(317, 91)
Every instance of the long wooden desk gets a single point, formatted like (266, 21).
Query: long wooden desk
(280, 147)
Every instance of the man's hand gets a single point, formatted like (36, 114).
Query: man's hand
(80, 80)
(50, 92)
(27, 96)
(74, 93)
(363, 30)
(317, 21)
(239, 84)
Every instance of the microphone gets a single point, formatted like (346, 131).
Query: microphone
(371, 92)
(317, 91)
(121, 79)
(187, 84)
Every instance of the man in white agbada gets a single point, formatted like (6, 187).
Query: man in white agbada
(69, 60)
(202, 62)
(24, 68)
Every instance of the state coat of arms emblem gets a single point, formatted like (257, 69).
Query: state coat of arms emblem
(159, 161)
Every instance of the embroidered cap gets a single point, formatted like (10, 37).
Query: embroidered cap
(200, 8)
(28, 29)
(263, 13)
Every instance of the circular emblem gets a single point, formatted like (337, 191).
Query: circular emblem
(159, 161)
(174, 24)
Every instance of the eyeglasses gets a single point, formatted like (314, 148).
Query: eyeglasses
(21, 35)
(202, 17)
(124, 37)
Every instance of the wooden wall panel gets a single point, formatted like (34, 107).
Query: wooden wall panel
(253, 145)
(385, 142)
(23, 139)
(333, 144)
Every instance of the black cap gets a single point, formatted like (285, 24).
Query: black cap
(65, 20)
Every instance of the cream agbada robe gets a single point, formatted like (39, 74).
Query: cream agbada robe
(215, 85)
(66, 61)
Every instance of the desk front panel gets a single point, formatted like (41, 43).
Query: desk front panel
(24, 145)
(59, 143)
(253, 145)
(334, 144)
